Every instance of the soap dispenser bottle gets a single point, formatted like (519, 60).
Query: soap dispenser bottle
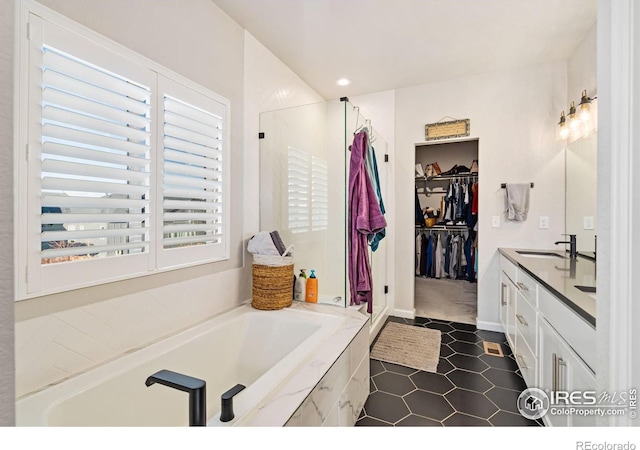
(300, 286)
(311, 294)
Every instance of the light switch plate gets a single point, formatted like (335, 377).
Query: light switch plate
(544, 222)
(588, 222)
(495, 221)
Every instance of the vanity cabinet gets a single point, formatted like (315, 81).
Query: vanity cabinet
(553, 346)
(561, 369)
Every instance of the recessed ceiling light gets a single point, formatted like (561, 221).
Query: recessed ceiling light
(343, 82)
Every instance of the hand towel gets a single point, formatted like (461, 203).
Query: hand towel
(262, 244)
(518, 201)
(277, 241)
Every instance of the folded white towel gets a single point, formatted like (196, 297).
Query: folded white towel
(262, 244)
(518, 201)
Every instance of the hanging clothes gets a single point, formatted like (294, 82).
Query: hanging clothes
(454, 259)
(372, 169)
(418, 252)
(365, 218)
(474, 205)
(423, 254)
(469, 259)
(439, 258)
(447, 256)
(429, 264)
(469, 215)
(419, 216)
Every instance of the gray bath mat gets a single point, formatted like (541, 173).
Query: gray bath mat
(408, 345)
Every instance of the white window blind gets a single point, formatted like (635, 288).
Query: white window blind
(319, 194)
(192, 183)
(95, 161)
(307, 192)
(298, 190)
(125, 164)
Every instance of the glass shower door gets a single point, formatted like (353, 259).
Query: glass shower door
(302, 191)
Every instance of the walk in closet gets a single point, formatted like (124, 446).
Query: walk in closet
(446, 245)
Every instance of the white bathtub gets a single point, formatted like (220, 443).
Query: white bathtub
(259, 349)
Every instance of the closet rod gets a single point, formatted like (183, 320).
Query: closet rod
(504, 185)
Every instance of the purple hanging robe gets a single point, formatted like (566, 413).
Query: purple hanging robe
(365, 218)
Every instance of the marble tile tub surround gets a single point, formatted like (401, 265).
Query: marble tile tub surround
(555, 274)
(334, 364)
(330, 387)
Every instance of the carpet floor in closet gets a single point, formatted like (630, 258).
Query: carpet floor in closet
(446, 299)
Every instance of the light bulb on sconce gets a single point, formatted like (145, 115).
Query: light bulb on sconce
(572, 119)
(585, 108)
(562, 130)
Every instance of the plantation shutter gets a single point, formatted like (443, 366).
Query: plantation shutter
(125, 168)
(319, 194)
(95, 160)
(89, 161)
(298, 190)
(193, 182)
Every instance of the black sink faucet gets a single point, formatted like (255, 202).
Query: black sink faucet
(196, 388)
(573, 252)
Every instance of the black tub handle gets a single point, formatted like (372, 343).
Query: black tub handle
(226, 410)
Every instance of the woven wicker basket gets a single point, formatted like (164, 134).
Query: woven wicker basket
(272, 286)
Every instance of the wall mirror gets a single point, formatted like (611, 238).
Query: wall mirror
(581, 192)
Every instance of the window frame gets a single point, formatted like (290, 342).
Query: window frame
(34, 279)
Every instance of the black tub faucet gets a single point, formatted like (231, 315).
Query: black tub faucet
(226, 409)
(573, 252)
(196, 388)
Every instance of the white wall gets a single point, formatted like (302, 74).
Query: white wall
(269, 85)
(513, 114)
(60, 335)
(581, 70)
(6, 220)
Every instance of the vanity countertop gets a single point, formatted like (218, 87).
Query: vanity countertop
(560, 276)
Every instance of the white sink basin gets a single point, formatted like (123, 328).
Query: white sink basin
(589, 290)
(540, 254)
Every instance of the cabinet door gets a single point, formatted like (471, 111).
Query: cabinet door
(552, 361)
(582, 379)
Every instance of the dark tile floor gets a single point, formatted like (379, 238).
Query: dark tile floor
(471, 388)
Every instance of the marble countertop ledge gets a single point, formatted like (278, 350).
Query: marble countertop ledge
(277, 408)
(560, 276)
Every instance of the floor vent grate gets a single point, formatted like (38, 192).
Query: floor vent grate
(492, 348)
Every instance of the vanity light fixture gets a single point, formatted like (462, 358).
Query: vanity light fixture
(580, 121)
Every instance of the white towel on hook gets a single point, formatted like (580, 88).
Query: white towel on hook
(518, 201)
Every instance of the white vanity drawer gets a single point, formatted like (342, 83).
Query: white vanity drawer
(508, 268)
(575, 330)
(528, 286)
(527, 362)
(527, 321)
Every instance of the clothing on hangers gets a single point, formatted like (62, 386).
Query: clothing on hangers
(423, 254)
(364, 218)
